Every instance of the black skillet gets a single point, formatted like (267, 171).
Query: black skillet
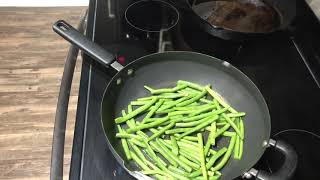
(164, 69)
(196, 12)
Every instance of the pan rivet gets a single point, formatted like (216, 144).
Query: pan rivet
(225, 63)
(130, 72)
(118, 81)
(247, 175)
(265, 143)
(115, 173)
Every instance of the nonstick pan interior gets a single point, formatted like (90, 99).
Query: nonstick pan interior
(163, 70)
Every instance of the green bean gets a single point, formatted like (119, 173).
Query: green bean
(176, 175)
(190, 84)
(145, 98)
(206, 101)
(189, 138)
(193, 99)
(139, 143)
(212, 160)
(159, 149)
(178, 171)
(143, 135)
(192, 164)
(220, 100)
(167, 90)
(139, 103)
(175, 148)
(202, 157)
(152, 172)
(233, 125)
(174, 103)
(216, 177)
(132, 121)
(229, 134)
(155, 158)
(174, 157)
(212, 152)
(221, 123)
(164, 111)
(149, 89)
(194, 118)
(195, 123)
(135, 112)
(199, 111)
(171, 96)
(126, 135)
(241, 125)
(209, 140)
(213, 130)
(124, 145)
(139, 161)
(198, 127)
(210, 173)
(226, 156)
(236, 148)
(184, 141)
(152, 111)
(149, 125)
(241, 142)
(159, 133)
(240, 114)
(187, 153)
(188, 89)
(177, 130)
(222, 130)
(141, 156)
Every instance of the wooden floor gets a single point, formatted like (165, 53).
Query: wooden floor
(31, 64)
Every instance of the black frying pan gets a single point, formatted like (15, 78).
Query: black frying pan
(164, 69)
(196, 13)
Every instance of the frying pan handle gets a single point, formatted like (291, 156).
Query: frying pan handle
(99, 54)
(288, 167)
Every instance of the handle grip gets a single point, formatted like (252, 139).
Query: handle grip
(70, 34)
(289, 166)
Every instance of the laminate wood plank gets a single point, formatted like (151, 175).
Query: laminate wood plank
(32, 58)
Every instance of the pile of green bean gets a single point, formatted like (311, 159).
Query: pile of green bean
(173, 133)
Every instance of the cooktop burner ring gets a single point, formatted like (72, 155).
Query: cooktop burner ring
(152, 15)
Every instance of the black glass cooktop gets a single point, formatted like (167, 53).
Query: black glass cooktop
(284, 66)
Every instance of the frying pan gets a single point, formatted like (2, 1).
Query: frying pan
(196, 12)
(164, 69)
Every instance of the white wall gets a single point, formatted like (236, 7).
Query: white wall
(44, 3)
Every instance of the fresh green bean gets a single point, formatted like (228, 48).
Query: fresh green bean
(152, 172)
(198, 127)
(141, 156)
(221, 123)
(220, 100)
(176, 175)
(173, 95)
(213, 130)
(233, 115)
(124, 145)
(145, 98)
(189, 138)
(222, 130)
(233, 125)
(159, 133)
(212, 152)
(195, 123)
(175, 148)
(126, 135)
(212, 160)
(229, 134)
(236, 148)
(174, 103)
(210, 173)
(187, 153)
(201, 116)
(174, 157)
(206, 101)
(227, 155)
(199, 111)
(188, 162)
(139, 143)
(139, 103)
(193, 99)
(139, 161)
(158, 148)
(149, 125)
(154, 157)
(241, 127)
(184, 141)
(202, 157)
(177, 170)
(177, 130)
(209, 140)
(152, 111)
(135, 112)
(164, 111)
(241, 142)
(190, 84)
